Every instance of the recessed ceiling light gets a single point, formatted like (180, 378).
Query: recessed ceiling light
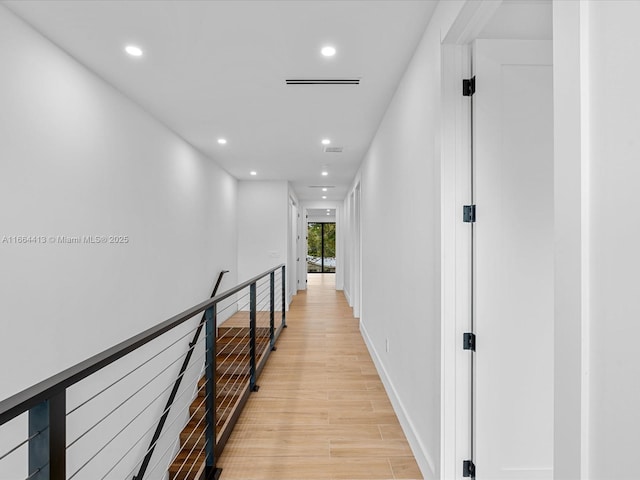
(253, 172)
(326, 141)
(328, 209)
(222, 141)
(325, 173)
(133, 50)
(324, 197)
(328, 213)
(328, 51)
(324, 189)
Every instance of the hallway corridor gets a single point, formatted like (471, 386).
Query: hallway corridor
(321, 412)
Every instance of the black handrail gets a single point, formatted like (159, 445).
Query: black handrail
(32, 396)
(174, 390)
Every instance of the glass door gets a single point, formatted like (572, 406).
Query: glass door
(321, 251)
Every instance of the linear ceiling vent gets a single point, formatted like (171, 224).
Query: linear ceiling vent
(322, 186)
(323, 81)
(333, 149)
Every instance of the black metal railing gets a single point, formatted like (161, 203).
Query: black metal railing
(244, 344)
(48, 422)
(176, 387)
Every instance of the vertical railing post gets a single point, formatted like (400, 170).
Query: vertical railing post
(284, 300)
(211, 472)
(272, 309)
(47, 431)
(252, 336)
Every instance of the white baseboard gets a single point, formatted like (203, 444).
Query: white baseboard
(348, 297)
(424, 460)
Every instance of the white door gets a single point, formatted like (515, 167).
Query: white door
(357, 274)
(513, 172)
(294, 258)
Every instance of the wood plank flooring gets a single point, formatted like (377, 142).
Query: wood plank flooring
(321, 412)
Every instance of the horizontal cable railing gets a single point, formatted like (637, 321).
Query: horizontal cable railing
(243, 344)
(111, 416)
(174, 390)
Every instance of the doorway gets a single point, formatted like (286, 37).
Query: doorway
(321, 247)
(498, 206)
(294, 256)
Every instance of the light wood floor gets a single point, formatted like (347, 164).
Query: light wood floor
(321, 412)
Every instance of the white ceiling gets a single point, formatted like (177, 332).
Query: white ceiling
(217, 69)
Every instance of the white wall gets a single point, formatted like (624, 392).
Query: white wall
(77, 158)
(597, 167)
(262, 226)
(321, 218)
(400, 185)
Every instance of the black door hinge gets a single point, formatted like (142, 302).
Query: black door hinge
(469, 213)
(469, 86)
(468, 469)
(469, 341)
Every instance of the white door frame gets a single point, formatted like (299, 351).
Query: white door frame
(455, 148)
(292, 274)
(455, 238)
(456, 261)
(304, 229)
(357, 263)
(352, 241)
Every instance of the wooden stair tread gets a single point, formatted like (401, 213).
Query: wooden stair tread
(232, 377)
(187, 465)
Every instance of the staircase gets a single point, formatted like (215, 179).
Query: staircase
(243, 344)
(232, 381)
